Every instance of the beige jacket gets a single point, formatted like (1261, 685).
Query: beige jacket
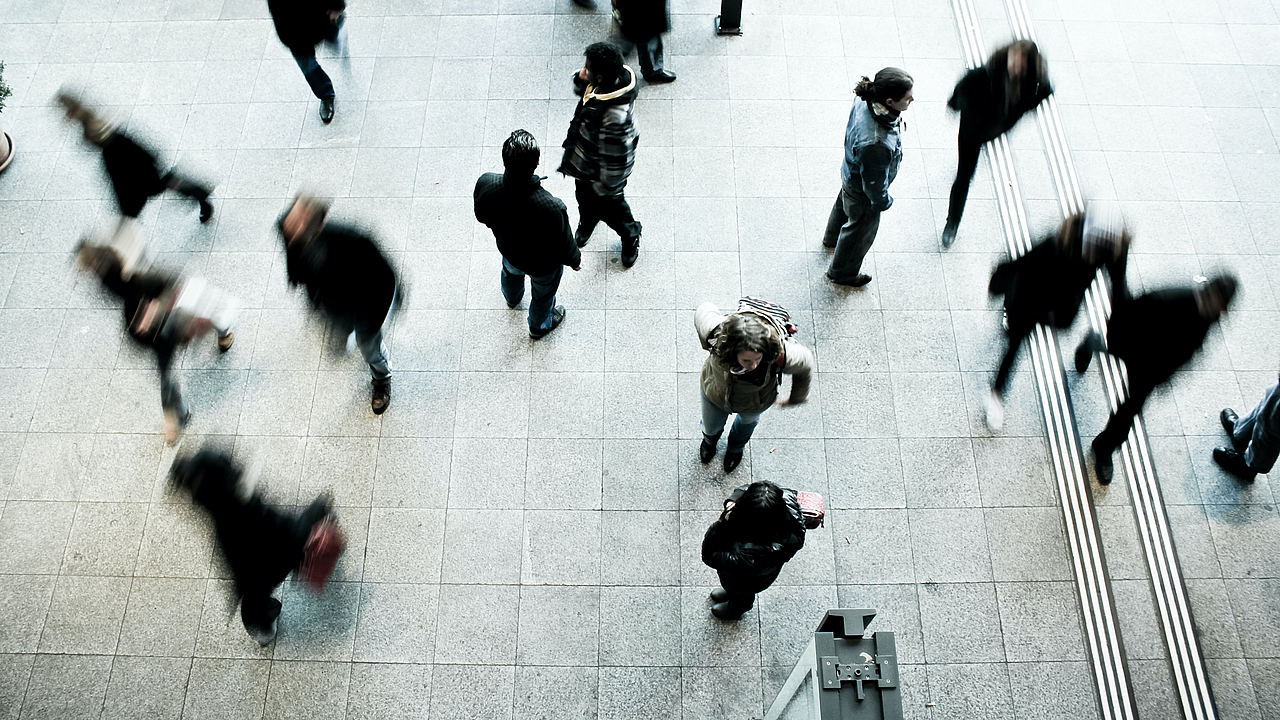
(732, 394)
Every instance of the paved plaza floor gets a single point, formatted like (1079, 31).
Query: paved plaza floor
(525, 521)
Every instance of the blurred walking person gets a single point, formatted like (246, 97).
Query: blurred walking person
(1154, 334)
(749, 352)
(600, 148)
(872, 154)
(164, 314)
(348, 279)
(1255, 438)
(532, 229)
(303, 24)
(991, 99)
(642, 23)
(760, 529)
(1048, 283)
(261, 545)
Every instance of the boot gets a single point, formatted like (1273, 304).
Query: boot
(732, 460)
(707, 450)
(630, 251)
(582, 236)
(719, 595)
(1102, 464)
(206, 211)
(381, 396)
(225, 341)
(725, 612)
(949, 235)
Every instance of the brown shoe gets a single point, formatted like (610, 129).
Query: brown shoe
(224, 342)
(381, 396)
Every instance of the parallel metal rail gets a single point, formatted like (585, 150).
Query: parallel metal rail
(1102, 631)
(1185, 655)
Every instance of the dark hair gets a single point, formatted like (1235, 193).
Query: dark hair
(1034, 63)
(890, 84)
(206, 474)
(761, 510)
(604, 60)
(1224, 286)
(742, 332)
(520, 152)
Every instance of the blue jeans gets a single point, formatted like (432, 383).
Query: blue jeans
(542, 292)
(714, 418)
(1259, 432)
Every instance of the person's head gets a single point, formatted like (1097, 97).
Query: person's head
(206, 473)
(745, 341)
(1214, 294)
(304, 220)
(96, 129)
(1020, 57)
(603, 64)
(520, 153)
(761, 508)
(891, 88)
(1103, 236)
(101, 260)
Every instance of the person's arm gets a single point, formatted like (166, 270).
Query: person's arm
(479, 204)
(572, 254)
(875, 159)
(961, 99)
(705, 319)
(1116, 271)
(799, 365)
(722, 553)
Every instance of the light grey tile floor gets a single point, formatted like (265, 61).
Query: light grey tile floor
(525, 521)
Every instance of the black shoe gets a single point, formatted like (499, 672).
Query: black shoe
(1084, 353)
(1233, 462)
(588, 4)
(724, 612)
(326, 111)
(732, 460)
(859, 281)
(949, 235)
(1102, 464)
(582, 237)
(381, 396)
(1229, 420)
(719, 595)
(707, 450)
(630, 251)
(660, 76)
(206, 211)
(557, 317)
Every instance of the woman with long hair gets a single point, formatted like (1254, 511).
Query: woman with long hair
(761, 528)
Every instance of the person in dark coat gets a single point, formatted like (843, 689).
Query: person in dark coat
(991, 99)
(532, 230)
(1048, 283)
(133, 169)
(760, 529)
(347, 278)
(642, 23)
(260, 544)
(1255, 438)
(147, 299)
(600, 147)
(1154, 334)
(303, 24)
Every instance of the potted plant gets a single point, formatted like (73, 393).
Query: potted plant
(6, 142)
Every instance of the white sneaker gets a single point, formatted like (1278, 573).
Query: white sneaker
(995, 412)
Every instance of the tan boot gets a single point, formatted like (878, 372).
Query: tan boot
(224, 342)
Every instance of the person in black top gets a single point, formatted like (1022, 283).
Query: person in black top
(642, 23)
(135, 176)
(347, 278)
(532, 229)
(303, 24)
(760, 529)
(990, 100)
(1047, 284)
(260, 544)
(1154, 334)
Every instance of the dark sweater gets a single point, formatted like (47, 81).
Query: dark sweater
(133, 172)
(531, 226)
(1157, 333)
(982, 97)
(345, 275)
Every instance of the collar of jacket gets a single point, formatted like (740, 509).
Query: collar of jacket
(884, 115)
(529, 181)
(591, 94)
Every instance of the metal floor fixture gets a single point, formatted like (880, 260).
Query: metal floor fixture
(1101, 628)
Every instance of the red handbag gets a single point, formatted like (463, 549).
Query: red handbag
(813, 508)
(320, 554)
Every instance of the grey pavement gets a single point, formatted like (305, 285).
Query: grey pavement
(525, 520)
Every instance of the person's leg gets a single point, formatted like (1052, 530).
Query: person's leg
(1117, 428)
(176, 413)
(835, 221)
(191, 189)
(375, 353)
(542, 299)
(743, 427)
(588, 210)
(966, 166)
(856, 238)
(713, 419)
(616, 213)
(1013, 339)
(649, 53)
(316, 77)
(512, 284)
(259, 612)
(1263, 440)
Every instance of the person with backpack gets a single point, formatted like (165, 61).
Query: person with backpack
(748, 353)
(761, 528)
(261, 545)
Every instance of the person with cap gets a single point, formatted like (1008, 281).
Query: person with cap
(1047, 284)
(1255, 438)
(1154, 334)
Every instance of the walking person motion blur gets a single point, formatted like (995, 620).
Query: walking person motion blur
(347, 279)
(1255, 438)
(872, 154)
(303, 24)
(260, 544)
(164, 314)
(1048, 283)
(749, 352)
(760, 529)
(642, 23)
(991, 99)
(1154, 334)
(600, 148)
(532, 229)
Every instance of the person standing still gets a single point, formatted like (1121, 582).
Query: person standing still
(303, 24)
(642, 23)
(600, 148)
(761, 528)
(532, 229)
(872, 154)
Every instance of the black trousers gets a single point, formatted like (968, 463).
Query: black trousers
(1141, 385)
(742, 589)
(612, 209)
(970, 151)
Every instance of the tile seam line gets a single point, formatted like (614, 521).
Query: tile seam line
(1101, 633)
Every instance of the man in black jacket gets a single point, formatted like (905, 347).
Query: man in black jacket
(303, 24)
(991, 99)
(642, 23)
(347, 278)
(1154, 334)
(532, 230)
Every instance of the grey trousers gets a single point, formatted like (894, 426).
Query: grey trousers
(851, 229)
(1259, 432)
